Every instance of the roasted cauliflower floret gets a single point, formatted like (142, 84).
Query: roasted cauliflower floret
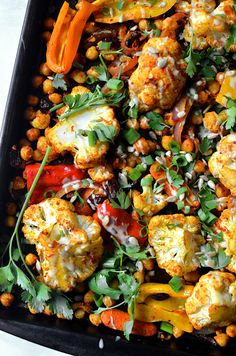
(69, 245)
(101, 172)
(160, 76)
(149, 201)
(213, 302)
(211, 27)
(227, 225)
(71, 135)
(222, 163)
(175, 239)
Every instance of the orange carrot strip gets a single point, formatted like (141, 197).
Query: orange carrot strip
(126, 67)
(116, 319)
(66, 35)
(156, 172)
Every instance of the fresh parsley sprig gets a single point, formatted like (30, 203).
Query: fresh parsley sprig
(84, 101)
(35, 293)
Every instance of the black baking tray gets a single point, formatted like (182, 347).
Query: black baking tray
(73, 337)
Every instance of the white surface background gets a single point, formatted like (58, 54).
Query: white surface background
(11, 19)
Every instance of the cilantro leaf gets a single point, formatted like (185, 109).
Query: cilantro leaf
(123, 199)
(84, 101)
(6, 278)
(205, 145)
(192, 59)
(232, 39)
(60, 305)
(155, 121)
(59, 82)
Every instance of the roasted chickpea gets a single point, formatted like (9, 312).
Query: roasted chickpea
(55, 98)
(213, 86)
(32, 100)
(30, 113)
(199, 167)
(143, 122)
(222, 339)
(31, 259)
(144, 146)
(18, 183)
(46, 36)
(79, 314)
(24, 142)
(44, 69)
(143, 25)
(49, 23)
(203, 97)
(148, 264)
(10, 221)
(133, 160)
(6, 299)
(92, 53)
(78, 76)
(11, 209)
(41, 120)
(95, 319)
(165, 141)
(48, 88)
(109, 57)
(26, 153)
(187, 145)
(33, 134)
(37, 156)
(88, 297)
(197, 118)
(139, 276)
(108, 302)
(32, 310)
(231, 330)
(37, 81)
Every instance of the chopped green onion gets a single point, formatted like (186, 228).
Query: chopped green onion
(104, 45)
(115, 84)
(136, 172)
(148, 160)
(167, 327)
(131, 135)
(92, 138)
(120, 4)
(176, 284)
(180, 205)
(146, 181)
(58, 106)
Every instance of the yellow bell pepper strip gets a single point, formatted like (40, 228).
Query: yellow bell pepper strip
(66, 35)
(110, 12)
(151, 312)
(148, 289)
(228, 88)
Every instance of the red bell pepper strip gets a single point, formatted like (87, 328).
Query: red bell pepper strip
(191, 199)
(51, 179)
(119, 223)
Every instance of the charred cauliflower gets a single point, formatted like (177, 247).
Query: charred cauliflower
(222, 163)
(175, 239)
(211, 27)
(227, 225)
(149, 201)
(70, 135)
(160, 76)
(213, 301)
(69, 245)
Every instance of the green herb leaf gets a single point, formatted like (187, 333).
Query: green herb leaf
(59, 82)
(205, 145)
(123, 198)
(120, 4)
(60, 305)
(155, 121)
